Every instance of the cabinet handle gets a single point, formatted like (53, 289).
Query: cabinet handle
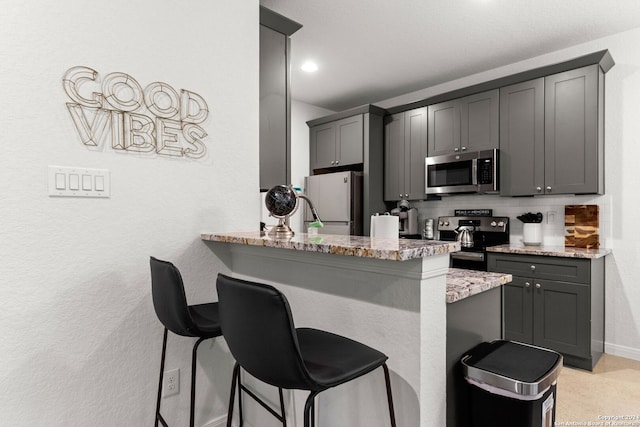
(539, 189)
(538, 285)
(456, 149)
(406, 196)
(549, 188)
(527, 284)
(400, 195)
(337, 161)
(332, 162)
(533, 268)
(464, 148)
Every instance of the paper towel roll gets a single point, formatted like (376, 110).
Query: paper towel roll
(384, 226)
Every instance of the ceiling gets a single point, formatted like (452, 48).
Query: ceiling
(372, 50)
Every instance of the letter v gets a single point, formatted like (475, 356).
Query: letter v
(91, 134)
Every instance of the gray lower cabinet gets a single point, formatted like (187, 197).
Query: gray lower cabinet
(470, 123)
(405, 147)
(552, 134)
(554, 302)
(337, 143)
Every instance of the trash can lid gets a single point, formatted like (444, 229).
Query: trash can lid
(516, 367)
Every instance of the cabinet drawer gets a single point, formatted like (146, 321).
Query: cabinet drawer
(542, 267)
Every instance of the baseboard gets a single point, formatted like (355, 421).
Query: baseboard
(622, 351)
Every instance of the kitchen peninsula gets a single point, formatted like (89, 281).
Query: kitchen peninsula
(390, 294)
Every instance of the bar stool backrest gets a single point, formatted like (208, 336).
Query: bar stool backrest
(258, 326)
(169, 299)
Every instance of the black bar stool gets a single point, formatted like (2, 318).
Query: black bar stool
(170, 303)
(258, 326)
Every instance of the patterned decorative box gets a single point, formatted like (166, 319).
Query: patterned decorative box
(582, 224)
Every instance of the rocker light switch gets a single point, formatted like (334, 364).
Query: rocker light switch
(79, 182)
(61, 183)
(86, 182)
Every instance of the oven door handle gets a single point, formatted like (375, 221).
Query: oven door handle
(468, 256)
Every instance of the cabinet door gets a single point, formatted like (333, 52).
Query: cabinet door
(571, 135)
(274, 113)
(561, 317)
(522, 138)
(349, 142)
(479, 121)
(394, 157)
(415, 123)
(517, 310)
(323, 145)
(444, 128)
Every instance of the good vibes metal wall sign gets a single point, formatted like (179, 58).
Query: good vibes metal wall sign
(156, 119)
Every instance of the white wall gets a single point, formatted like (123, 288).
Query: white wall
(618, 207)
(80, 340)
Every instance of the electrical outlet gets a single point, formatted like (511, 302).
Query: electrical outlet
(171, 382)
(551, 217)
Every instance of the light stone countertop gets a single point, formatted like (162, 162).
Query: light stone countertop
(462, 283)
(358, 246)
(558, 251)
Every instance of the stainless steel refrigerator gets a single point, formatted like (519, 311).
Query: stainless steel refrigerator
(338, 199)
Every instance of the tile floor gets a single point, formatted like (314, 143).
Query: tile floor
(612, 389)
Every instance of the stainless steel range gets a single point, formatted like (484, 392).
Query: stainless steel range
(475, 234)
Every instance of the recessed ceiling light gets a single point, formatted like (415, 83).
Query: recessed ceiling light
(309, 67)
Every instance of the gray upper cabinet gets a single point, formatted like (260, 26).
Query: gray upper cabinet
(479, 121)
(337, 143)
(574, 132)
(464, 124)
(522, 138)
(275, 99)
(444, 128)
(394, 157)
(551, 134)
(405, 137)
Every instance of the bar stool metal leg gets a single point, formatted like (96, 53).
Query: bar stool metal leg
(387, 381)
(284, 416)
(309, 410)
(232, 395)
(162, 358)
(193, 381)
(240, 387)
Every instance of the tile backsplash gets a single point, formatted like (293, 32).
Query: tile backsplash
(552, 207)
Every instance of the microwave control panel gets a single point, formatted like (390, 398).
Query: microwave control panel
(485, 171)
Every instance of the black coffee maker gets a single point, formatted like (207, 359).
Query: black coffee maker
(407, 220)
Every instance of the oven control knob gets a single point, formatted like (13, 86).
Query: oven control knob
(440, 223)
(493, 223)
(446, 223)
(500, 223)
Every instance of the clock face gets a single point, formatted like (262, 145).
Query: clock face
(281, 200)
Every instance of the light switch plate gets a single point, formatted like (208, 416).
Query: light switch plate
(79, 182)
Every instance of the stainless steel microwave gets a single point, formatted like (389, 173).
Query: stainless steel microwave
(472, 172)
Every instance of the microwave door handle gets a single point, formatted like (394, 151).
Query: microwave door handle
(474, 171)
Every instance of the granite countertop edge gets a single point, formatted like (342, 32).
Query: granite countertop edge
(557, 251)
(357, 246)
(462, 283)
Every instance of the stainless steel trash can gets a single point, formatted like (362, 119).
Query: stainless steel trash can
(511, 384)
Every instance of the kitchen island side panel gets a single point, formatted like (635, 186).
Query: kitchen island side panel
(470, 321)
(397, 307)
